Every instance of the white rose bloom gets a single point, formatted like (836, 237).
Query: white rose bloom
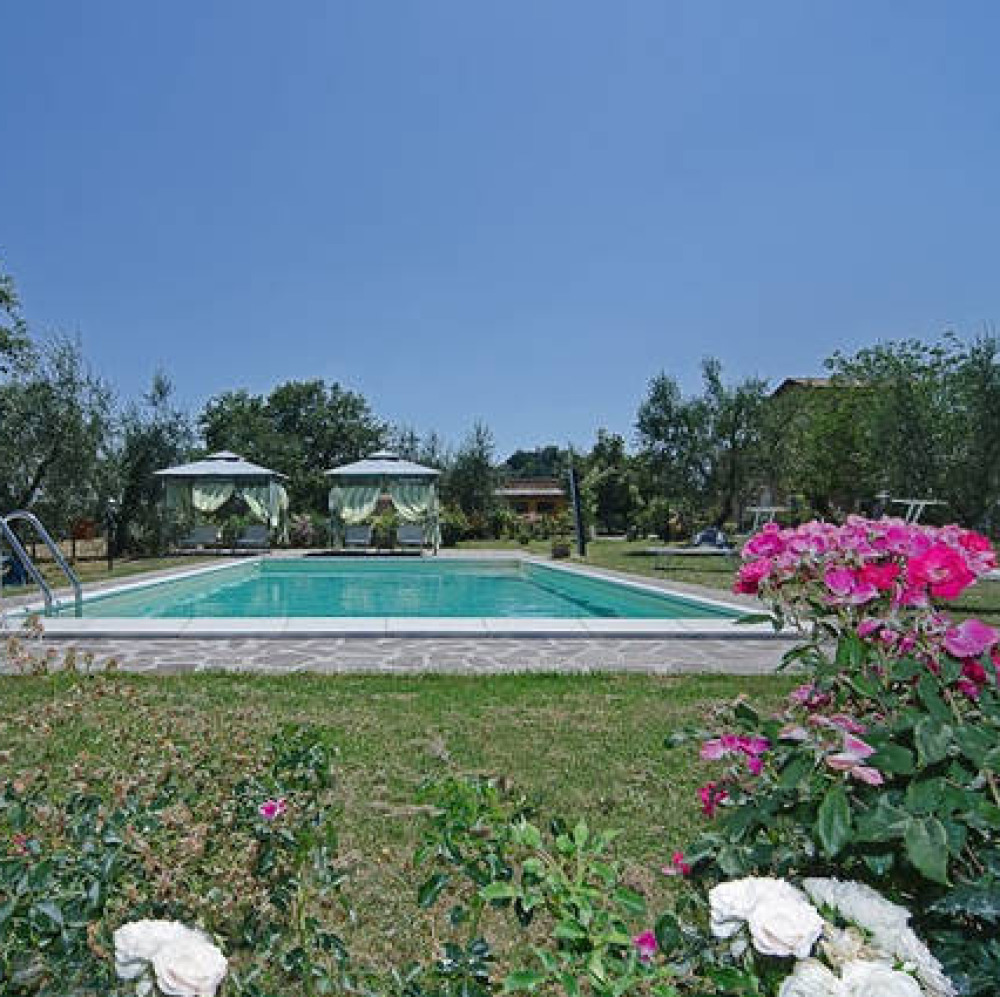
(137, 942)
(888, 925)
(189, 967)
(875, 979)
(841, 945)
(811, 978)
(731, 903)
(782, 927)
(184, 960)
(859, 903)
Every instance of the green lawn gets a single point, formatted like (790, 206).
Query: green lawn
(622, 555)
(577, 746)
(97, 571)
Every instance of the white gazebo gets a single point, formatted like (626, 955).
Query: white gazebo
(356, 489)
(206, 485)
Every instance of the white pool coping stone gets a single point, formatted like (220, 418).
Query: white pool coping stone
(390, 627)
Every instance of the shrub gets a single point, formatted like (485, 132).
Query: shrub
(884, 767)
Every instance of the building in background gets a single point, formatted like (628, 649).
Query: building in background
(533, 498)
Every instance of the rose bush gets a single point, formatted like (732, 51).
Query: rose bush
(884, 766)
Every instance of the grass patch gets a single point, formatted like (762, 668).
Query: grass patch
(97, 571)
(587, 746)
(630, 555)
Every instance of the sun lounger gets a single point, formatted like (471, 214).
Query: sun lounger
(254, 537)
(410, 535)
(200, 536)
(357, 536)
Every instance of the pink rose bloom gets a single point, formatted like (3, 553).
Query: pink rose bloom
(270, 809)
(711, 795)
(677, 867)
(645, 945)
(882, 576)
(767, 543)
(970, 639)
(942, 570)
(750, 575)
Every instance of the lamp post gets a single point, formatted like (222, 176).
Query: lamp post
(110, 520)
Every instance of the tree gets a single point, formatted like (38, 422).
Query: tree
(154, 434)
(735, 417)
(470, 481)
(302, 428)
(14, 341)
(608, 485)
(543, 462)
(57, 424)
(703, 453)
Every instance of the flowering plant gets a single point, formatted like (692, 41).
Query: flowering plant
(883, 765)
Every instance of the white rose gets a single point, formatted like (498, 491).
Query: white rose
(189, 967)
(811, 979)
(782, 927)
(731, 903)
(842, 945)
(875, 979)
(136, 944)
(859, 903)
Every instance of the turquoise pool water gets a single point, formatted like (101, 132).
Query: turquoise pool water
(396, 587)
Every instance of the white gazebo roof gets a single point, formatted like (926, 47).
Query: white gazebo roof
(224, 464)
(383, 464)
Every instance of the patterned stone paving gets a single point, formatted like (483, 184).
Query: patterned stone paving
(451, 655)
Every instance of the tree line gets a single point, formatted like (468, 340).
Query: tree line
(897, 419)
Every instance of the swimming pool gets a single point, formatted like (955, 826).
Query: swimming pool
(356, 588)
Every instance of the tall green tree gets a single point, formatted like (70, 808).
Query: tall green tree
(153, 434)
(302, 428)
(57, 426)
(550, 461)
(609, 485)
(471, 479)
(14, 341)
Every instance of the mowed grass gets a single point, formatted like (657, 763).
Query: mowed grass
(632, 556)
(97, 571)
(590, 746)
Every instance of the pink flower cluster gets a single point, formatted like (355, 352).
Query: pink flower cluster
(865, 560)
(736, 744)
(968, 642)
(272, 809)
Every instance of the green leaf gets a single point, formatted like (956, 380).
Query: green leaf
(795, 771)
(974, 742)
(750, 618)
(668, 933)
(932, 739)
(499, 891)
(431, 889)
(630, 900)
(833, 822)
(981, 902)
(927, 848)
(522, 979)
(931, 698)
(893, 758)
(926, 796)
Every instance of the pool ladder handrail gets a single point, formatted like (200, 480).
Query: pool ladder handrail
(23, 516)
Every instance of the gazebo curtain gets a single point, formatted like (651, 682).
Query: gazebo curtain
(414, 500)
(353, 504)
(210, 496)
(267, 501)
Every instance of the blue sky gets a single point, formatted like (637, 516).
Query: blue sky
(515, 211)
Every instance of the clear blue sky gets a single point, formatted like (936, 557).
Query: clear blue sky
(514, 211)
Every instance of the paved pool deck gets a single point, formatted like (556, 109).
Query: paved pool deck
(398, 646)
